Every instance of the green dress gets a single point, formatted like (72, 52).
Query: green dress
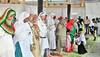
(72, 33)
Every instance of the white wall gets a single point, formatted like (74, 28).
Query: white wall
(93, 9)
(78, 11)
(31, 8)
(18, 8)
(63, 11)
(56, 11)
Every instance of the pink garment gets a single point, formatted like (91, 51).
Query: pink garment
(68, 44)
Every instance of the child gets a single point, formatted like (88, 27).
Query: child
(80, 42)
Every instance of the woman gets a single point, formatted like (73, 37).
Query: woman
(23, 35)
(71, 26)
(51, 32)
(36, 38)
(43, 33)
(68, 42)
(7, 30)
(86, 22)
(81, 26)
(80, 42)
(61, 34)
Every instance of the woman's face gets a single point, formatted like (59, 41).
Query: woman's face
(10, 20)
(43, 17)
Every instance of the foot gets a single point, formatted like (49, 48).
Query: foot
(94, 39)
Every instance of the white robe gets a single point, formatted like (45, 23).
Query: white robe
(23, 35)
(6, 44)
(83, 38)
(56, 22)
(51, 33)
(43, 41)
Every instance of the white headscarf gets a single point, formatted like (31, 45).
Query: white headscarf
(22, 16)
(42, 25)
(21, 27)
(41, 14)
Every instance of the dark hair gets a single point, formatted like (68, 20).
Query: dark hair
(66, 17)
(61, 17)
(80, 20)
(54, 17)
(93, 20)
(68, 30)
(97, 19)
(80, 29)
(86, 17)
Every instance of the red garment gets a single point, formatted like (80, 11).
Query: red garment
(69, 46)
(70, 49)
(69, 24)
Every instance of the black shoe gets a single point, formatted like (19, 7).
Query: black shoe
(94, 39)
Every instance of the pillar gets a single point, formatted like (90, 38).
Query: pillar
(68, 10)
(40, 6)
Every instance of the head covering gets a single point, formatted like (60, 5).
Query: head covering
(69, 24)
(41, 14)
(22, 16)
(79, 17)
(8, 28)
(8, 12)
(22, 29)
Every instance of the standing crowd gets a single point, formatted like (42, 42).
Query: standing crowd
(38, 36)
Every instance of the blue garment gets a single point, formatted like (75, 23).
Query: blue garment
(18, 52)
